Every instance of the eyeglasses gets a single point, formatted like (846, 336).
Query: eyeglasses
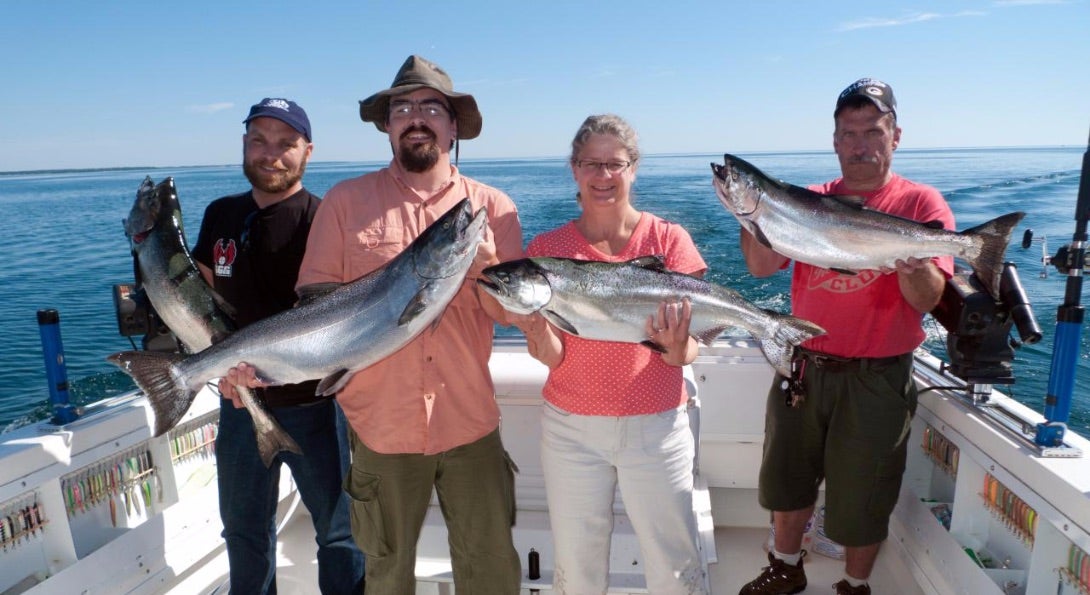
(589, 166)
(431, 108)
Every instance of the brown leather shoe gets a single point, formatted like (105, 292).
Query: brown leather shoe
(844, 588)
(778, 578)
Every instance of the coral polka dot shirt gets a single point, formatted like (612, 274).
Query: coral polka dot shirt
(608, 378)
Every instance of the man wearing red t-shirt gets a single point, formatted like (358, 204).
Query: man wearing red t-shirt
(850, 428)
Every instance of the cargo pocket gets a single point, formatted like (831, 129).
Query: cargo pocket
(885, 490)
(366, 513)
(510, 469)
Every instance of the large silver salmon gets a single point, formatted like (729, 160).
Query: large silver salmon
(192, 310)
(612, 302)
(333, 336)
(838, 233)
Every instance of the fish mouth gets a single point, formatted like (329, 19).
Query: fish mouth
(487, 282)
(138, 238)
(723, 173)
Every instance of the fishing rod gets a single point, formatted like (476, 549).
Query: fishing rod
(1071, 261)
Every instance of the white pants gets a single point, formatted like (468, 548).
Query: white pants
(584, 458)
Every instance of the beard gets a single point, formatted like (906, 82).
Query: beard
(417, 157)
(272, 182)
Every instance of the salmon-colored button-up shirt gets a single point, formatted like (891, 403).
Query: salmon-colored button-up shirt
(436, 393)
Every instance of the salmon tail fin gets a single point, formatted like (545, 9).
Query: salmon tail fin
(153, 373)
(994, 235)
(789, 332)
(271, 438)
(272, 443)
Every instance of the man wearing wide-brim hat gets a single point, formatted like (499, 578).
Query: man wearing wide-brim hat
(426, 417)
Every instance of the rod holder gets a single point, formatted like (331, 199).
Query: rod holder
(49, 325)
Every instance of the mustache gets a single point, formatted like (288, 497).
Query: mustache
(867, 159)
(417, 128)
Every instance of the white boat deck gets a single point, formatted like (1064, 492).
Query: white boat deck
(172, 544)
(739, 549)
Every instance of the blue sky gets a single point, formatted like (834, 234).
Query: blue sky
(108, 84)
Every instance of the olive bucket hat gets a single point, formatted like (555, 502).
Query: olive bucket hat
(418, 73)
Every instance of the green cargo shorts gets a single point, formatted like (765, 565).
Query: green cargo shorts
(851, 430)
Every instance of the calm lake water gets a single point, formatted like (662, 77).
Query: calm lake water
(64, 247)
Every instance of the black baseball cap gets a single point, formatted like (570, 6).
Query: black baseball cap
(284, 110)
(874, 90)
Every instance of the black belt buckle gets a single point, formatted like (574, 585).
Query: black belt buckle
(831, 362)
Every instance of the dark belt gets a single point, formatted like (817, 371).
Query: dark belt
(840, 364)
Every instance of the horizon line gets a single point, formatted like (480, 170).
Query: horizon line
(537, 158)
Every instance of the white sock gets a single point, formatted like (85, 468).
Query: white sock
(855, 582)
(792, 559)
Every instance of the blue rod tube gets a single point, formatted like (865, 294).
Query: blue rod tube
(1069, 317)
(1061, 379)
(49, 324)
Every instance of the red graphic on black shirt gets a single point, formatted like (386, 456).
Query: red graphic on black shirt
(835, 282)
(223, 255)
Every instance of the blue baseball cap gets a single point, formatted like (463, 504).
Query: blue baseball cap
(284, 110)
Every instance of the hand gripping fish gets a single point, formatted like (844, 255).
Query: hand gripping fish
(335, 335)
(192, 310)
(612, 302)
(838, 233)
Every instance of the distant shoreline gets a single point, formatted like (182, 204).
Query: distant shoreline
(540, 158)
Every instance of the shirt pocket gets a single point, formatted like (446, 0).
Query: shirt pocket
(374, 246)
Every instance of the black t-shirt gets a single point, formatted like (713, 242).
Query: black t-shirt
(254, 255)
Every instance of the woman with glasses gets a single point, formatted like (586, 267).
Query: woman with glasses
(615, 413)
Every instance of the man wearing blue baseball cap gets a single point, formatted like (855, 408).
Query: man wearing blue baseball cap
(249, 249)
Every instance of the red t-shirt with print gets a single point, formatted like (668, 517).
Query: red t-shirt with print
(865, 314)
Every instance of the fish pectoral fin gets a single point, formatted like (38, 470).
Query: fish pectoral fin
(434, 325)
(648, 343)
(333, 383)
(416, 306)
(761, 237)
(656, 262)
(560, 322)
(844, 271)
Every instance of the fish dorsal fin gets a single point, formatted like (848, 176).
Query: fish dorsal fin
(414, 308)
(648, 343)
(219, 335)
(936, 224)
(559, 322)
(848, 200)
(655, 262)
(333, 383)
(309, 293)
